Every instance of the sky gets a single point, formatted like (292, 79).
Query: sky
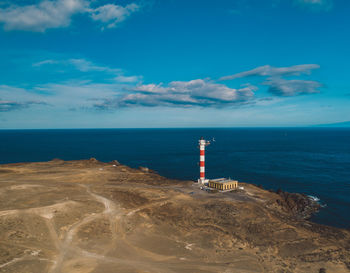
(173, 63)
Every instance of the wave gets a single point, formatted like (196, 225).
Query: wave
(314, 198)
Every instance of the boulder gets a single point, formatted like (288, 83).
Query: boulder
(144, 169)
(115, 162)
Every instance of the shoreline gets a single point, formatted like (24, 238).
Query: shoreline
(75, 216)
(301, 205)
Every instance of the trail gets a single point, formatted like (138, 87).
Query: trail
(66, 250)
(45, 211)
(15, 260)
(65, 246)
(110, 210)
(132, 263)
(114, 213)
(23, 258)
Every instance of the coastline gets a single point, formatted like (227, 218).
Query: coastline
(107, 214)
(315, 164)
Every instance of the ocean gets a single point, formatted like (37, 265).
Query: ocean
(314, 161)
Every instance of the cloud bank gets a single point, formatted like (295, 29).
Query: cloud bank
(114, 90)
(58, 13)
(7, 106)
(197, 92)
(270, 71)
(279, 86)
(85, 66)
(282, 87)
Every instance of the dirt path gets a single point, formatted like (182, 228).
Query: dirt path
(111, 210)
(114, 213)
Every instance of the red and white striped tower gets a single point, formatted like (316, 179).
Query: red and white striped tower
(202, 144)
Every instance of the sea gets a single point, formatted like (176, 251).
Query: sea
(313, 161)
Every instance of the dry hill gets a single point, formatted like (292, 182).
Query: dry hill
(89, 216)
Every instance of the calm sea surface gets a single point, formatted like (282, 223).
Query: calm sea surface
(313, 161)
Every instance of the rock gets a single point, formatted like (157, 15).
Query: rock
(115, 162)
(147, 170)
(144, 169)
(322, 270)
(298, 204)
(56, 160)
(92, 159)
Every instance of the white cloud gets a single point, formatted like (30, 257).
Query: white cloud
(315, 5)
(13, 98)
(279, 86)
(58, 13)
(7, 106)
(85, 66)
(74, 94)
(282, 87)
(181, 94)
(112, 89)
(44, 62)
(80, 64)
(128, 79)
(39, 17)
(113, 14)
(10, 93)
(271, 71)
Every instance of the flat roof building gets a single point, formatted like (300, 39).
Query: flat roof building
(223, 184)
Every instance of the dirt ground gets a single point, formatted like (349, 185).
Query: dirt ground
(88, 216)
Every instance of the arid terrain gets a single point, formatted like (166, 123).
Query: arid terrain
(88, 216)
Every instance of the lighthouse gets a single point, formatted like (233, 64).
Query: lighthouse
(202, 144)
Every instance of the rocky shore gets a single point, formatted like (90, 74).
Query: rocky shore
(89, 216)
(300, 205)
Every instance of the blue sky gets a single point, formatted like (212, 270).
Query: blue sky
(173, 63)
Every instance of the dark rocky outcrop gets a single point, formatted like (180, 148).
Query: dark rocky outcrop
(298, 204)
(115, 162)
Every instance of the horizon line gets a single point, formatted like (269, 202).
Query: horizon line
(330, 126)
